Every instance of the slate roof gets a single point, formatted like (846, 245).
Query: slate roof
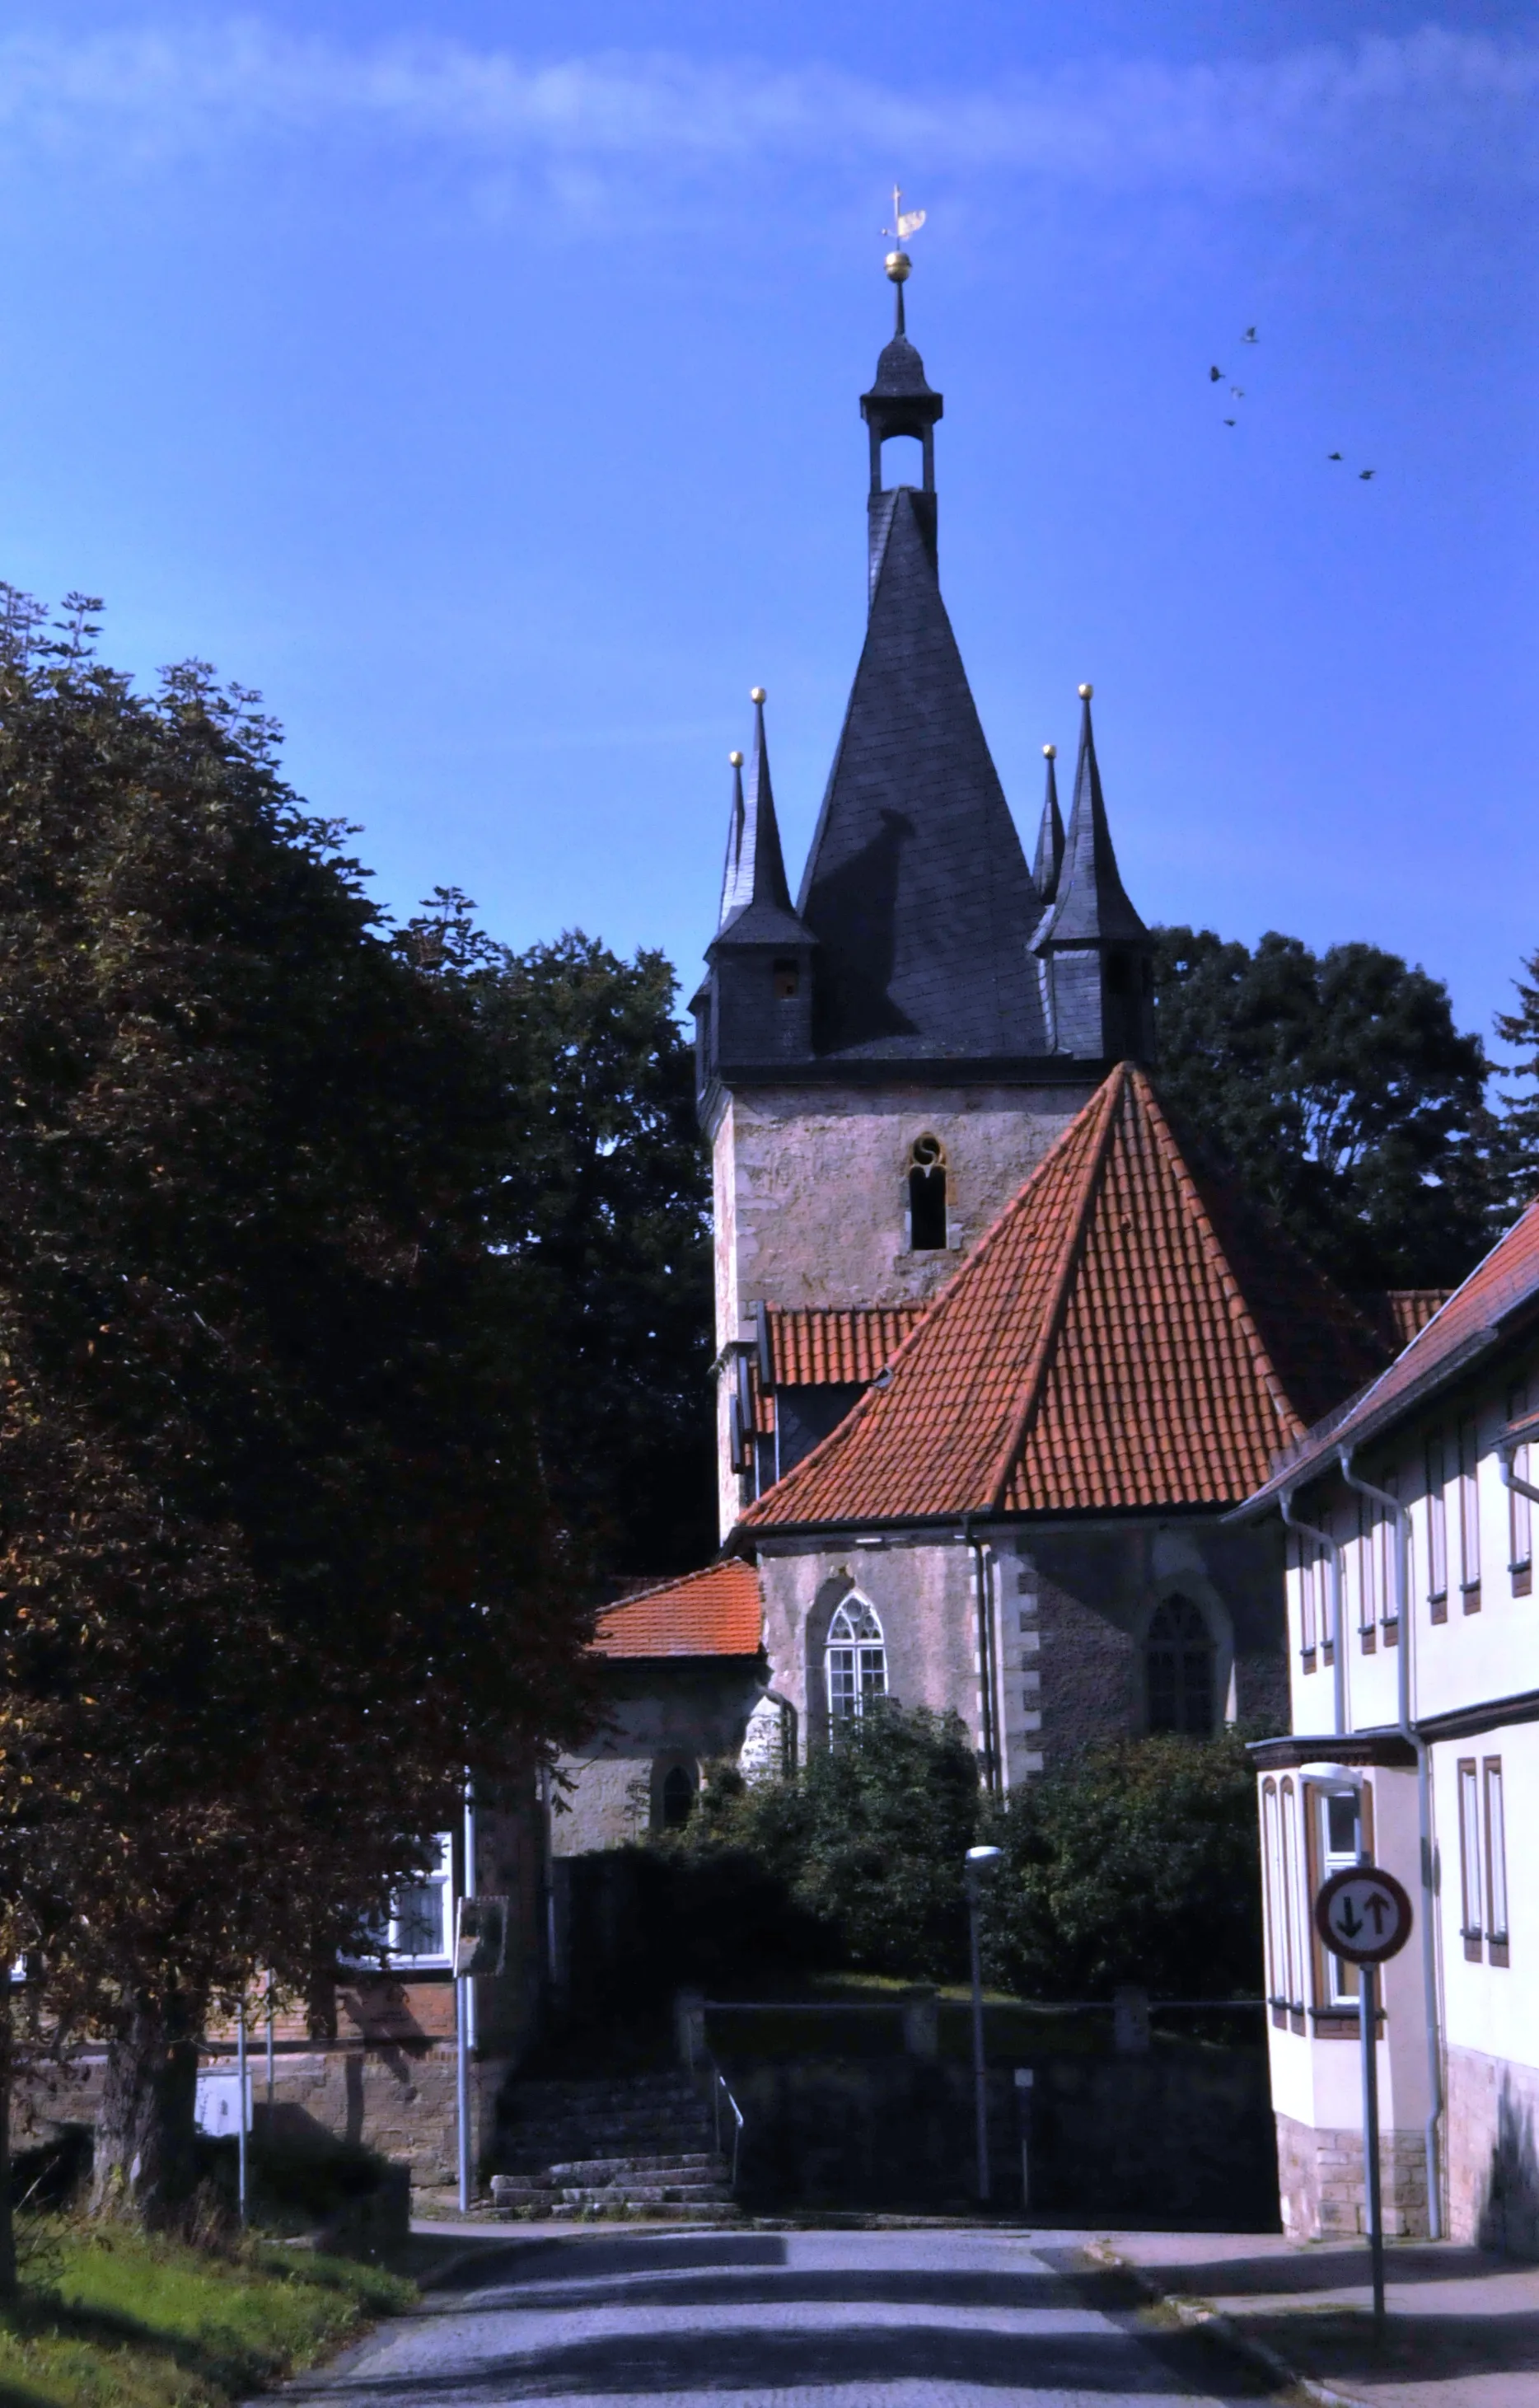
(1125, 1338)
(1503, 1289)
(916, 885)
(838, 1345)
(755, 898)
(1091, 906)
(717, 1611)
(1049, 836)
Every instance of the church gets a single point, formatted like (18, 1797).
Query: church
(998, 1348)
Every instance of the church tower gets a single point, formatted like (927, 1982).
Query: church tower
(881, 1064)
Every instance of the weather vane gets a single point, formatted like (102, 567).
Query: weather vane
(898, 264)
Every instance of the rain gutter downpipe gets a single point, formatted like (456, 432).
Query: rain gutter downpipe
(1408, 1730)
(1338, 1639)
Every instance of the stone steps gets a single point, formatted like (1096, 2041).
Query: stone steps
(643, 2147)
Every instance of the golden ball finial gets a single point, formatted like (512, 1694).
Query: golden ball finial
(1086, 691)
(899, 266)
(736, 760)
(758, 695)
(1049, 751)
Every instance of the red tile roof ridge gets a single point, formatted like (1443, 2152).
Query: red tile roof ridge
(1213, 1248)
(828, 1449)
(1442, 1341)
(1108, 1099)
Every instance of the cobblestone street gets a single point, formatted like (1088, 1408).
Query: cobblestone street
(772, 2320)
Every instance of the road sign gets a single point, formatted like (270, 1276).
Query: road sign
(1364, 1914)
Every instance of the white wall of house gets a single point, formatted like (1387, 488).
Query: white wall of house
(1474, 1648)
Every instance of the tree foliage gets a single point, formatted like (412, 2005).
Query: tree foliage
(1339, 1088)
(275, 1560)
(603, 1210)
(1137, 1862)
(1520, 1156)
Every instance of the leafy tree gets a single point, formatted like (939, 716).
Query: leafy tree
(1339, 1088)
(274, 1560)
(1135, 1863)
(868, 1839)
(1519, 1151)
(605, 1211)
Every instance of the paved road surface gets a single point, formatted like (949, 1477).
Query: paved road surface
(779, 2320)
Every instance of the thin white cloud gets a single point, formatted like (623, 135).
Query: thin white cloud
(1434, 104)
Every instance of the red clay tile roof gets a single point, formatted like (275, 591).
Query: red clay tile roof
(1504, 1283)
(1103, 1348)
(714, 1613)
(837, 1344)
(1412, 1307)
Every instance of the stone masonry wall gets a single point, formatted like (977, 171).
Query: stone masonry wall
(1319, 2178)
(1493, 2161)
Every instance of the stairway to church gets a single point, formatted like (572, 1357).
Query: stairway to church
(637, 2145)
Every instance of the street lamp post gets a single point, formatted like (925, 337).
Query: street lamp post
(979, 1862)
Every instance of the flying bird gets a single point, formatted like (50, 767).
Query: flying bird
(1214, 375)
(1238, 392)
(1365, 473)
(1249, 336)
(1332, 455)
(1232, 421)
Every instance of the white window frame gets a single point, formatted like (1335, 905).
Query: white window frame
(855, 1633)
(441, 1878)
(1341, 1979)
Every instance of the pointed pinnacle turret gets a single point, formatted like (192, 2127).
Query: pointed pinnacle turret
(1049, 841)
(1091, 906)
(755, 898)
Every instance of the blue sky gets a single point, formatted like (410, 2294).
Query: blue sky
(481, 383)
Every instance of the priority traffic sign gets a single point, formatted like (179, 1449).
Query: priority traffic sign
(1364, 1914)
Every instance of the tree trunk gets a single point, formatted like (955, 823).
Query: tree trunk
(7, 2228)
(144, 2167)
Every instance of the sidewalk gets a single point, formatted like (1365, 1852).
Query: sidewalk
(1464, 2326)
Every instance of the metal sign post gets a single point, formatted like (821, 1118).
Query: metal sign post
(1364, 1916)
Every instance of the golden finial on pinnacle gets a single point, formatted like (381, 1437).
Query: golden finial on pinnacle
(758, 695)
(735, 759)
(1049, 751)
(1086, 691)
(897, 263)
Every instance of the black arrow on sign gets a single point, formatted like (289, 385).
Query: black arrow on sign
(1378, 1907)
(1349, 1921)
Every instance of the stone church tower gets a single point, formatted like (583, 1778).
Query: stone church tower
(881, 1064)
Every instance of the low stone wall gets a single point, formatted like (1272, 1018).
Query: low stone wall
(1164, 2140)
(397, 2100)
(1320, 2186)
(1493, 2159)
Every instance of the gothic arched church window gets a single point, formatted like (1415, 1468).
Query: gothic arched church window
(676, 1797)
(927, 1196)
(855, 1662)
(1178, 1670)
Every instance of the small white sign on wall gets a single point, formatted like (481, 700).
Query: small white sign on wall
(218, 2109)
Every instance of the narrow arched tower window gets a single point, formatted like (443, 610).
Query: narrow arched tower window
(1178, 1670)
(927, 1196)
(855, 1662)
(678, 1797)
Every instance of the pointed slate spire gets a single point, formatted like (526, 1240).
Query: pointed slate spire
(1091, 906)
(755, 898)
(1049, 841)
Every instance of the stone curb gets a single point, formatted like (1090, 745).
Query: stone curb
(1200, 2315)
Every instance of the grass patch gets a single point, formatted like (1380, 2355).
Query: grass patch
(109, 2318)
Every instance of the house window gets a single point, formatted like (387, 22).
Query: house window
(1367, 1555)
(1340, 1847)
(1468, 1517)
(1272, 1876)
(676, 1796)
(1470, 1883)
(927, 1196)
(1437, 1529)
(1497, 1943)
(788, 982)
(1178, 1669)
(1520, 1511)
(419, 1927)
(855, 1662)
(1292, 1931)
(1309, 1574)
